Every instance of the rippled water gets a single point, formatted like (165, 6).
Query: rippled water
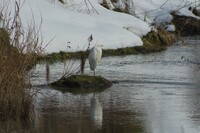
(154, 93)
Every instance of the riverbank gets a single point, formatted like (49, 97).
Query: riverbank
(154, 41)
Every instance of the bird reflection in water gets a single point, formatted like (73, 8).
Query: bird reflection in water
(96, 112)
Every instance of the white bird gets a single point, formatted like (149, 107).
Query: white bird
(95, 57)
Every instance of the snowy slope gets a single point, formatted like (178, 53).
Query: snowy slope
(76, 20)
(73, 24)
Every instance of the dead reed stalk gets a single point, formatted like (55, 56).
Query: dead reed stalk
(18, 48)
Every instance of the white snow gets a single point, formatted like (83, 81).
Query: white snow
(159, 10)
(72, 23)
(170, 28)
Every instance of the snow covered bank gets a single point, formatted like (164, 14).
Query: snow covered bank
(156, 10)
(74, 24)
(70, 24)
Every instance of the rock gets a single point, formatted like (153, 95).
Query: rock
(82, 83)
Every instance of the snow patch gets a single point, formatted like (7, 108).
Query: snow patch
(72, 23)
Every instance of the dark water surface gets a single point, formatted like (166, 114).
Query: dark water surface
(154, 93)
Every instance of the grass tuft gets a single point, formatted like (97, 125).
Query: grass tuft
(17, 53)
(15, 98)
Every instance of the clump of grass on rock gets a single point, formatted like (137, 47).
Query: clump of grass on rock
(82, 84)
(155, 41)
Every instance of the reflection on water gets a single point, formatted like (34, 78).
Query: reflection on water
(154, 93)
(96, 112)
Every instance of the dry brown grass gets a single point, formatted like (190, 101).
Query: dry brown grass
(17, 53)
(15, 99)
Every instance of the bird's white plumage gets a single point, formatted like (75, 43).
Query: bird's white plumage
(95, 56)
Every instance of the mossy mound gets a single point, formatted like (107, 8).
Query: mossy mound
(82, 83)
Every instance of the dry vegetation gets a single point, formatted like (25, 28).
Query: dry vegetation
(17, 53)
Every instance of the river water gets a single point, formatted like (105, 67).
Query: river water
(153, 93)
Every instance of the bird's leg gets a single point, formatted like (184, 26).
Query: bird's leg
(94, 72)
(82, 64)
